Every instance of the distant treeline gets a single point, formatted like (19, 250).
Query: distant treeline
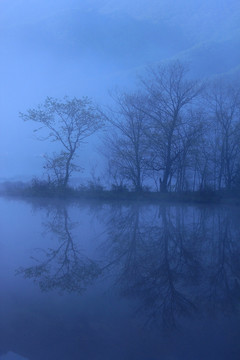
(172, 134)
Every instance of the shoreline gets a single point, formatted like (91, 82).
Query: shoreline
(197, 197)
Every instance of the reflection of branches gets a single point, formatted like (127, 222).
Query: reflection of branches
(147, 256)
(224, 272)
(126, 236)
(174, 260)
(169, 263)
(159, 282)
(65, 267)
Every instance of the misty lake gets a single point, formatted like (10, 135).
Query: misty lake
(109, 281)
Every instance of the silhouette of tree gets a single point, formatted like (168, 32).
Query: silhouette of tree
(126, 142)
(171, 112)
(223, 103)
(69, 123)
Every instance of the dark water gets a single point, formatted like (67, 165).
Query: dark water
(98, 282)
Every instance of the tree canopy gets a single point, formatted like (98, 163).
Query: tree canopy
(68, 122)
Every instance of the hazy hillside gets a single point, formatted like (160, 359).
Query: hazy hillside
(118, 38)
(54, 48)
(129, 33)
(200, 17)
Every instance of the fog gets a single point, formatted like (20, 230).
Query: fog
(137, 282)
(51, 48)
(120, 229)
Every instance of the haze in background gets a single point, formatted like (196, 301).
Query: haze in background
(51, 48)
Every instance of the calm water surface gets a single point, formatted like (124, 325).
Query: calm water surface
(98, 282)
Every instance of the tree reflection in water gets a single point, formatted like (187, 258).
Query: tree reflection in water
(154, 263)
(65, 267)
(176, 261)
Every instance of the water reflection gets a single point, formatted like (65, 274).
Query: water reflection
(173, 261)
(64, 267)
(12, 356)
(180, 263)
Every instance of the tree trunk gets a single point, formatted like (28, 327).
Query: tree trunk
(67, 172)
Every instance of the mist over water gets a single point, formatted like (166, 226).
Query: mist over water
(123, 281)
(123, 274)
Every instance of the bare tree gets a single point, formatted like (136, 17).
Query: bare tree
(223, 101)
(126, 141)
(171, 96)
(190, 139)
(69, 123)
